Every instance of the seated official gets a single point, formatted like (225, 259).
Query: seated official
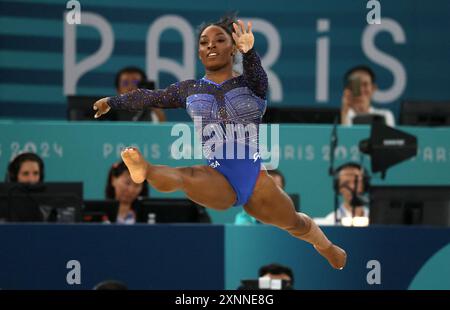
(359, 87)
(344, 182)
(277, 271)
(129, 79)
(120, 187)
(274, 271)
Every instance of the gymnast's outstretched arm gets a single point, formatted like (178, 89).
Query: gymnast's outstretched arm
(172, 97)
(254, 74)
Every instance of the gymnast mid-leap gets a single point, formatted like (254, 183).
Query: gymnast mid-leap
(223, 97)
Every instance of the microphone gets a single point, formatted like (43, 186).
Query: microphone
(331, 172)
(333, 145)
(357, 200)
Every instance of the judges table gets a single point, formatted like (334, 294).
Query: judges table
(47, 256)
(84, 151)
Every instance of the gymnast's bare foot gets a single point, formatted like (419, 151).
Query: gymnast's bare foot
(136, 164)
(335, 256)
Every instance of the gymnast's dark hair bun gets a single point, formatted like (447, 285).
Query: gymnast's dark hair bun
(225, 22)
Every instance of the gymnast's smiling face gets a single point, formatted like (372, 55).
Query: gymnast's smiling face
(216, 48)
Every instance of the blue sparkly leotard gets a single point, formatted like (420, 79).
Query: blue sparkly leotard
(239, 102)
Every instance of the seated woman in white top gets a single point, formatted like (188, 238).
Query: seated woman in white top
(120, 187)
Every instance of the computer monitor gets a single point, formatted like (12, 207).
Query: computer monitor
(79, 108)
(410, 205)
(48, 202)
(100, 210)
(425, 113)
(311, 115)
(158, 210)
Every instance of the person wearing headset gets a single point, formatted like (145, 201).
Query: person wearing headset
(344, 184)
(26, 168)
(132, 78)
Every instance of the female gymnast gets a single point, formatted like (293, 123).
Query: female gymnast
(223, 97)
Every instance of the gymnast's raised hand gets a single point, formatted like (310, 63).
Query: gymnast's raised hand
(101, 106)
(243, 39)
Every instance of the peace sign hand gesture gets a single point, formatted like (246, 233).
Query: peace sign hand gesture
(244, 39)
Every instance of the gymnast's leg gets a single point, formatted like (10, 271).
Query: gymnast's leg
(201, 184)
(271, 205)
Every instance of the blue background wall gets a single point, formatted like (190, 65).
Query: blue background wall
(32, 39)
(35, 256)
(187, 257)
(400, 251)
